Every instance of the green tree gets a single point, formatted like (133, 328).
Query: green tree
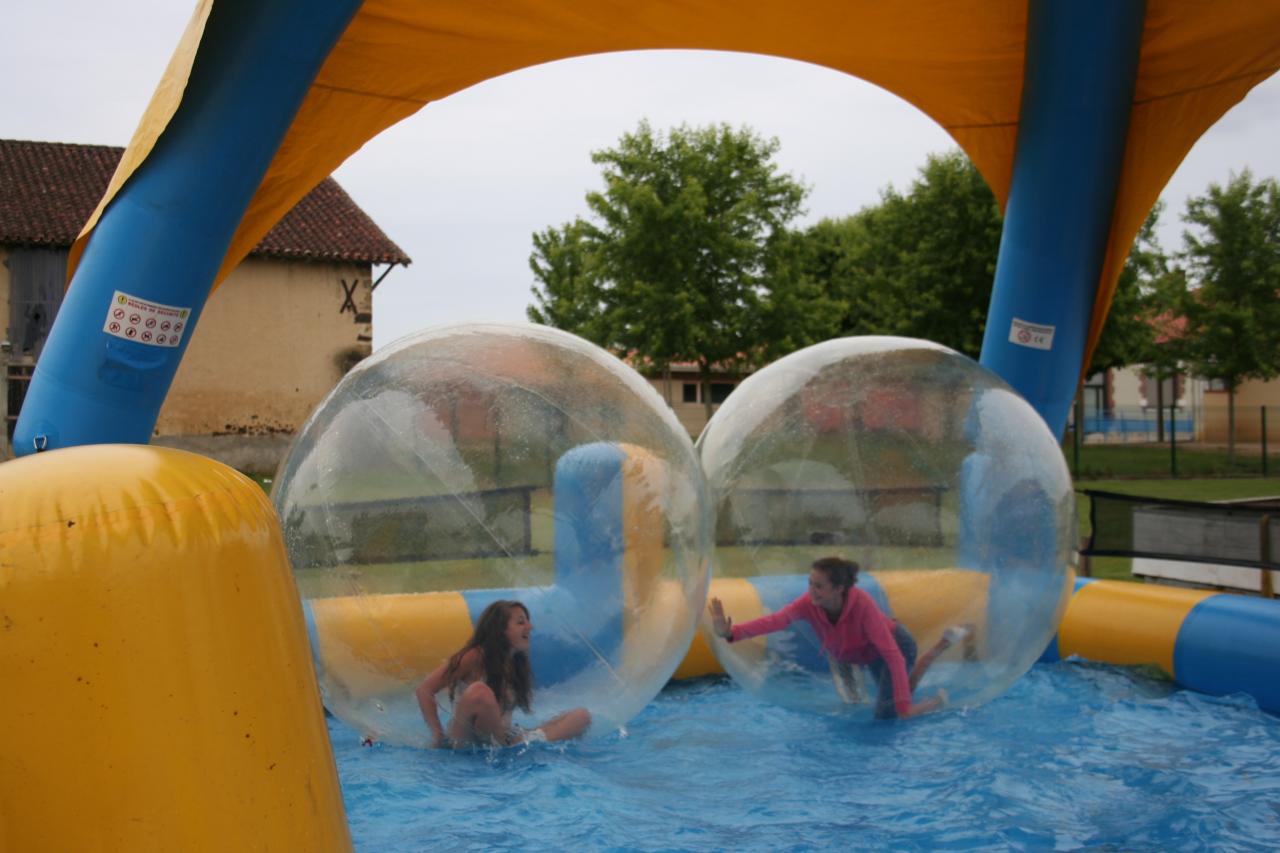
(919, 264)
(1232, 258)
(1129, 336)
(563, 260)
(686, 255)
(1142, 316)
(1167, 353)
(797, 310)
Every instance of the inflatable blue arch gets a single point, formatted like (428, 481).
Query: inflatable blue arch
(147, 593)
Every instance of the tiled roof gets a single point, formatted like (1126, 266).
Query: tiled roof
(1169, 327)
(49, 189)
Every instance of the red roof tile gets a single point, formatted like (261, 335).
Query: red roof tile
(1169, 327)
(49, 189)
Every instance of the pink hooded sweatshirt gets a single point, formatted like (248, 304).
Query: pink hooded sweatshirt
(861, 634)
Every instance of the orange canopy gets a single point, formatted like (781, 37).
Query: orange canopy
(959, 61)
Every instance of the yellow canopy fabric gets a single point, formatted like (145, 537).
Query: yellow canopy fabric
(959, 61)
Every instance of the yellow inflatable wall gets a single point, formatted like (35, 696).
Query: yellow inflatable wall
(158, 692)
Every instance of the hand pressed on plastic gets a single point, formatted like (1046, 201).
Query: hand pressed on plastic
(721, 625)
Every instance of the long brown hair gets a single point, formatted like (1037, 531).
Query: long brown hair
(506, 674)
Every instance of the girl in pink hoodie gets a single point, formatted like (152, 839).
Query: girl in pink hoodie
(851, 630)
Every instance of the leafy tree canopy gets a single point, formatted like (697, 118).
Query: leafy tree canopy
(1140, 306)
(569, 297)
(1232, 258)
(918, 264)
(686, 253)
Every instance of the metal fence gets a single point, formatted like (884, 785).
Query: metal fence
(1196, 439)
(462, 526)
(1137, 423)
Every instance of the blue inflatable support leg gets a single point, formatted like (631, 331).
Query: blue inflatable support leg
(1082, 60)
(152, 259)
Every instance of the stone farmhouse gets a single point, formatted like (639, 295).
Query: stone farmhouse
(275, 337)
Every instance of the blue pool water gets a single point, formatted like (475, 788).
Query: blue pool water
(1075, 756)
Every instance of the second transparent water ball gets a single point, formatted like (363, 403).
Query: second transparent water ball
(927, 470)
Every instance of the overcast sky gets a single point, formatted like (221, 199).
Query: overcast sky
(463, 184)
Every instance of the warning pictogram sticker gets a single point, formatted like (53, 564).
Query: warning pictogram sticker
(129, 315)
(1031, 335)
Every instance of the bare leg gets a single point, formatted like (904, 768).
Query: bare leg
(477, 718)
(926, 660)
(961, 633)
(566, 726)
(846, 682)
(933, 703)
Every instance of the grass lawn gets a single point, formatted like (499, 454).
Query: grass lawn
(1150, 461)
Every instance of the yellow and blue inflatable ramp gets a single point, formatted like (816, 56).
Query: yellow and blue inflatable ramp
(1212, 642)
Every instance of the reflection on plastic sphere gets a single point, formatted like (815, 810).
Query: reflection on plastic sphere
(926, 469)
(472, 463)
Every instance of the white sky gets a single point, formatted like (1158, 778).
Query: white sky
(462, 185)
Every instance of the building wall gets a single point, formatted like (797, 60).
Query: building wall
(4, 293)
(5, 452)
(1127, 387)
(1251, 396)
(692, 416)
(1132, 389)
(272, 342)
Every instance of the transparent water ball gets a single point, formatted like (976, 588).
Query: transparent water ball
(924, 468)
(472, 463)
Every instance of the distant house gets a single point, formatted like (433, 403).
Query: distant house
(890, 409)
(273, 340)
(1201, 402)
(685, 394)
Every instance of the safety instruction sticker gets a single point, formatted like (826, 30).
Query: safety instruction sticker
(1026, 334)
(145, 322)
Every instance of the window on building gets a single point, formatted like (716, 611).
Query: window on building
(720, 391)
(17, 379)
(691, 392)
(1163, 392)
(1094, 394)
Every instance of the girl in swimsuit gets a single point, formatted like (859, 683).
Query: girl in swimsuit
(487, 680)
